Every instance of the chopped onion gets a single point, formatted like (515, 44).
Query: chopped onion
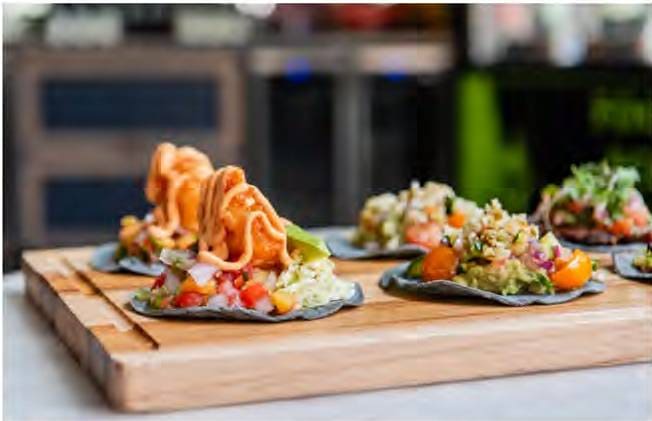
(539, 256)
(218, 301)
(264, 305)
(231, 293)
(202, 272)
(547, 265)
(180, 259)
(172, 281)
(270, 282)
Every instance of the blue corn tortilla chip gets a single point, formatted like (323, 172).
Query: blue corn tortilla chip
(624, 267)
(602, 248)
(136, 265)
(245, 314)
(342, 248)
(103, 259)
(395, 277)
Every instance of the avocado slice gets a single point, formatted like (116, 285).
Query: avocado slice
(415, 269)
(311, 247)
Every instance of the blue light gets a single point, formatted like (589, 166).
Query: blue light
(297, 70)
(395, 75)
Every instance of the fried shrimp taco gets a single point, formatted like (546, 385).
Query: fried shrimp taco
(251, 263)
(173, 188)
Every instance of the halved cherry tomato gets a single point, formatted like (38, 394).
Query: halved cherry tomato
(189, 285)
(252, 293)
(440, 263)
(283, 301)
(456, 219)
(622, 227)
(573, 272)
(427, 235)
(188, 299)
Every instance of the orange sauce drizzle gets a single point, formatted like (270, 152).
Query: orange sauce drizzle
(238, 225)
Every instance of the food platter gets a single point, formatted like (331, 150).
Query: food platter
(212, 294)
(392, 340)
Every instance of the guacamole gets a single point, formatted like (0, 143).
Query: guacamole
(511, 278)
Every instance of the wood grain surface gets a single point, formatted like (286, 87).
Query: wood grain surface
(147, 364)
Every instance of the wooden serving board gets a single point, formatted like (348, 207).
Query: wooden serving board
(145, 364)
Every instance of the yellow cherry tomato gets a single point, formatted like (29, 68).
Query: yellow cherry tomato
(283, 301)
(572, 273)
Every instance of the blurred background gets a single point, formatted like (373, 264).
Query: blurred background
(322, 104)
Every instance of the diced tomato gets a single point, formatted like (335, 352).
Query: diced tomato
(159, 281)
(573, 272)
(427, 235)
(239, 282)
(622, 227)
(456, 219)
(575, 206)
(188, 299)
(252, 293)
(640, 217)
(440, 263)
(228, 276)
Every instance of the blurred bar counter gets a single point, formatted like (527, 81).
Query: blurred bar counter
(324, 105)
(83, 122)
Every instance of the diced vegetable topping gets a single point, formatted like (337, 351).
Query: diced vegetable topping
(503, 253)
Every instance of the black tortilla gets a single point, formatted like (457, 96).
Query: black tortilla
(602, 248)
(342, 248)
(625, 268)
(104, 261)
(395, 277)
(244, 314)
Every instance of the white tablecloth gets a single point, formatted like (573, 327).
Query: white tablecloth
(42, 381)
